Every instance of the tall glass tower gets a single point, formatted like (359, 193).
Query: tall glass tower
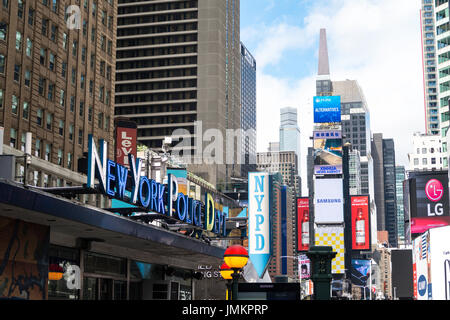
(289, 131)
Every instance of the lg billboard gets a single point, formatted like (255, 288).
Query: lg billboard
(429, 201)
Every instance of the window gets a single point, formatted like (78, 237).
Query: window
(424, 161)
(43, 56)
(39, 115)
(80, 136)
(108, 72)
(107, 97)
(61, 128)
(2, 63)
(69, 160)
(84, 28)
(54, 33)
(83, 54)
(424, 150)
(3, 29)
(72, 103)
(433, 160)
(41, 86)
(49, 121)
(93, 34)
(103, 17)
(37, 151)
(81, 111)
(103, 42)
(44, 29)
(74, 47)
(25, 112)
(52, 61)
(92, 61)
(1, 98)
(14, 104)
(416, 161)
(23, 141)
(30, 16)
(62, 98)
(55, 6)
(13, 138)
(102, 68)
(109, 49)
(82, 81)
(91, 87)
(29, 48)
(18, 40)
(64, 69)
(60, 157)
(48, 151)
(90, 110)
(17, 72)
(100, 120)
(101, 94)
(74, 76)
(51, 91)
(20, 8)
(64, 38)
(71, 132)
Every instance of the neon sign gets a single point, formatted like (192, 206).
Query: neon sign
(114, 179)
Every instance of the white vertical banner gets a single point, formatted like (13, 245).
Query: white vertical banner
(259, 237)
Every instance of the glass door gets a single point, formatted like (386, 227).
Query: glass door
(106, 289)
(90, 288)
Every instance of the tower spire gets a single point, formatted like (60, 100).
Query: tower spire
(324, 65)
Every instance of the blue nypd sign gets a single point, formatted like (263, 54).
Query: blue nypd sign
(327, 109)
(129, 185)
(259, 224)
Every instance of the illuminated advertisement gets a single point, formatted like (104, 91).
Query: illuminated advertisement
(360, 222)
(327, 152)
(327, 109)
(332, 236)
(181, 175)
(126, 143)
(328, 201)
(259, 226)
(302, 224)
(429, 201)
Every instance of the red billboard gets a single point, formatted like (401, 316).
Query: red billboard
(360, 222)
(126, 142)
(302, 224)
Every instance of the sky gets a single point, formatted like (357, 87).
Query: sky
(376, 42)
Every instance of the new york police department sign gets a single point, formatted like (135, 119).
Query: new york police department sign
(259, 236)
(149, 195)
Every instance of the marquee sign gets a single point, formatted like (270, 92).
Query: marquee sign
(149, 195)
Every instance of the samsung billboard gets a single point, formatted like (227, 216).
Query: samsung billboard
(327, 109)
(429, 201)
(328, 201)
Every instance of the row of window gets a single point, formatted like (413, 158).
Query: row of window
(425, 161)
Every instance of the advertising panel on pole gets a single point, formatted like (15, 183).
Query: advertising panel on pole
(304, 264)
(429, 201)
(327, 109)
(327, 152)
(332, 236)
(259, 224)
(302, 224)
(126, 143)
(328, 201)
(360, 213)
(360, 272)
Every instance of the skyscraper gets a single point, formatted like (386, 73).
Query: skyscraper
(178, 62)
(385, 186)
(57, 83)
(429, 64)
(248, 111)
(400, 176)
(289, 130)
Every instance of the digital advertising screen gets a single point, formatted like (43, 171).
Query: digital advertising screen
(327, 109)
(360, 222)
(303, 224)
(327, 152)
(328, 201)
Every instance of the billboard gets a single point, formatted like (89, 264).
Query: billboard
(360, 215)
(429, 201)
(402, 273)
(181, 175)
(328, 201)
(327, 152)
(259, 224)
(126, 143)
(327, 109)
(302, 224)
(422, 268)
(332, 236)
(304, 264)
(360, 272)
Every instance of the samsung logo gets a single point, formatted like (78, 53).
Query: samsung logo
(329, 200)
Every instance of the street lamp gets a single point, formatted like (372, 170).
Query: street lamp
(236, 258)
(226, 273)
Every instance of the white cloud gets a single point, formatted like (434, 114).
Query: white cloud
(376, 42)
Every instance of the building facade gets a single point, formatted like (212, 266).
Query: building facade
(427, 153)
(429, 34)
(400, 176)
(56, 82)
(385, 186)
(178, 75)
(248, 112)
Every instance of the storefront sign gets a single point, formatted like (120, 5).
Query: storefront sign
(148, 194)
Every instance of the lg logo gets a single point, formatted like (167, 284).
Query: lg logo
(434, 191)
